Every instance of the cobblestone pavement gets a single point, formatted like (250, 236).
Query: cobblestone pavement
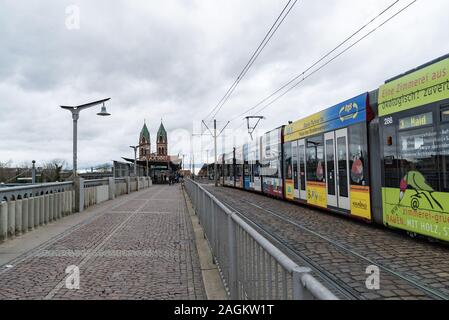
(140, 248)
(416, 262)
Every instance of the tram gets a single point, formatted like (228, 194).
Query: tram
(382, 156)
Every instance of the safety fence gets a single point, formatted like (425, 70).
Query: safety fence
(24, 208)
(251, 267)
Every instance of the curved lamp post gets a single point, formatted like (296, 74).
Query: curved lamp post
(75, 116)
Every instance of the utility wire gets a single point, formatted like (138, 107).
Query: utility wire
(318, 61)
(253, 58)
(338, 55)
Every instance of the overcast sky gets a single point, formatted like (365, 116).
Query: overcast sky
(176, 59)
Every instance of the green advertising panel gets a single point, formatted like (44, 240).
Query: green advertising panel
(417, 209)
(419, 88)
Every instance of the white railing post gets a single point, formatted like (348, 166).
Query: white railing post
(128, 185)
(49, 198)
(3, 221)
(52, 207)
(25, 208)
(37, 209)
(299, 292)
(79, 195)
(42, 210)
(233, 261)
(60, 205)
(111, 182)
(18, 222)
(31, 214)
(11, 219)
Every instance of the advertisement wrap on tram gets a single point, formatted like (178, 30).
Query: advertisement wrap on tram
(414, 120)
(326, 159)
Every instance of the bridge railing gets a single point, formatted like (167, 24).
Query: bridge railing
(24, 208)
(251, 267)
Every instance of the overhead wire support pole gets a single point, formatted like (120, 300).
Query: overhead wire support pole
(215, 136)
(252, 129)
(215, 151)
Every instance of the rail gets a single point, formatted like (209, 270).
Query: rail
(250, 266)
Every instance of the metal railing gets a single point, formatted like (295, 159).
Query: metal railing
(34, 190)
(251, 267)
(24, 208)
(96, 182)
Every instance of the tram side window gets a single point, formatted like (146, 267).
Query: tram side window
(288, 161)
(358, 155)
(315, 159)
(444, 150)
(418, 151)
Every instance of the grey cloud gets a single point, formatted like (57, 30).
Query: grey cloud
(175, 59)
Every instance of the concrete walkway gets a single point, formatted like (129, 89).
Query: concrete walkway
(139, 246)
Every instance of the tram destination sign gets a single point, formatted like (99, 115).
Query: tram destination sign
(428, 85)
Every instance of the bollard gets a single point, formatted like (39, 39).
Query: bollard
(25, 208)
(18, 218)
(11, 219)
(3, 221)
(47, 198)
(41, 210)
(31, 214)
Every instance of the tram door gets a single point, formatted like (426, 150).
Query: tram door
(343, 168)
(337, 168)
(331, 173)
(302, 169)
(295, 155)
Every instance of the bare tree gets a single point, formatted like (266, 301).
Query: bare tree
(52, 170)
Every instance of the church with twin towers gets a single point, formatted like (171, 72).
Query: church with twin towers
(161, 153)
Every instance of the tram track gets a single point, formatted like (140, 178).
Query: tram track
(335, 281)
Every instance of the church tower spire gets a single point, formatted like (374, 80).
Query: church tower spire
(162, 141)
(144, 143)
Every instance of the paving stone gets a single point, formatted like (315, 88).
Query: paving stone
(141, 249)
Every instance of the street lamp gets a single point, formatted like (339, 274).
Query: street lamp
(75, 116)
(135, 158)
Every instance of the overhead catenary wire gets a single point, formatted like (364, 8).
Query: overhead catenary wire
(337, 56)
(303, 73)
(280, 19)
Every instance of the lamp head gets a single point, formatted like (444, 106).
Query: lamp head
(103, 111)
